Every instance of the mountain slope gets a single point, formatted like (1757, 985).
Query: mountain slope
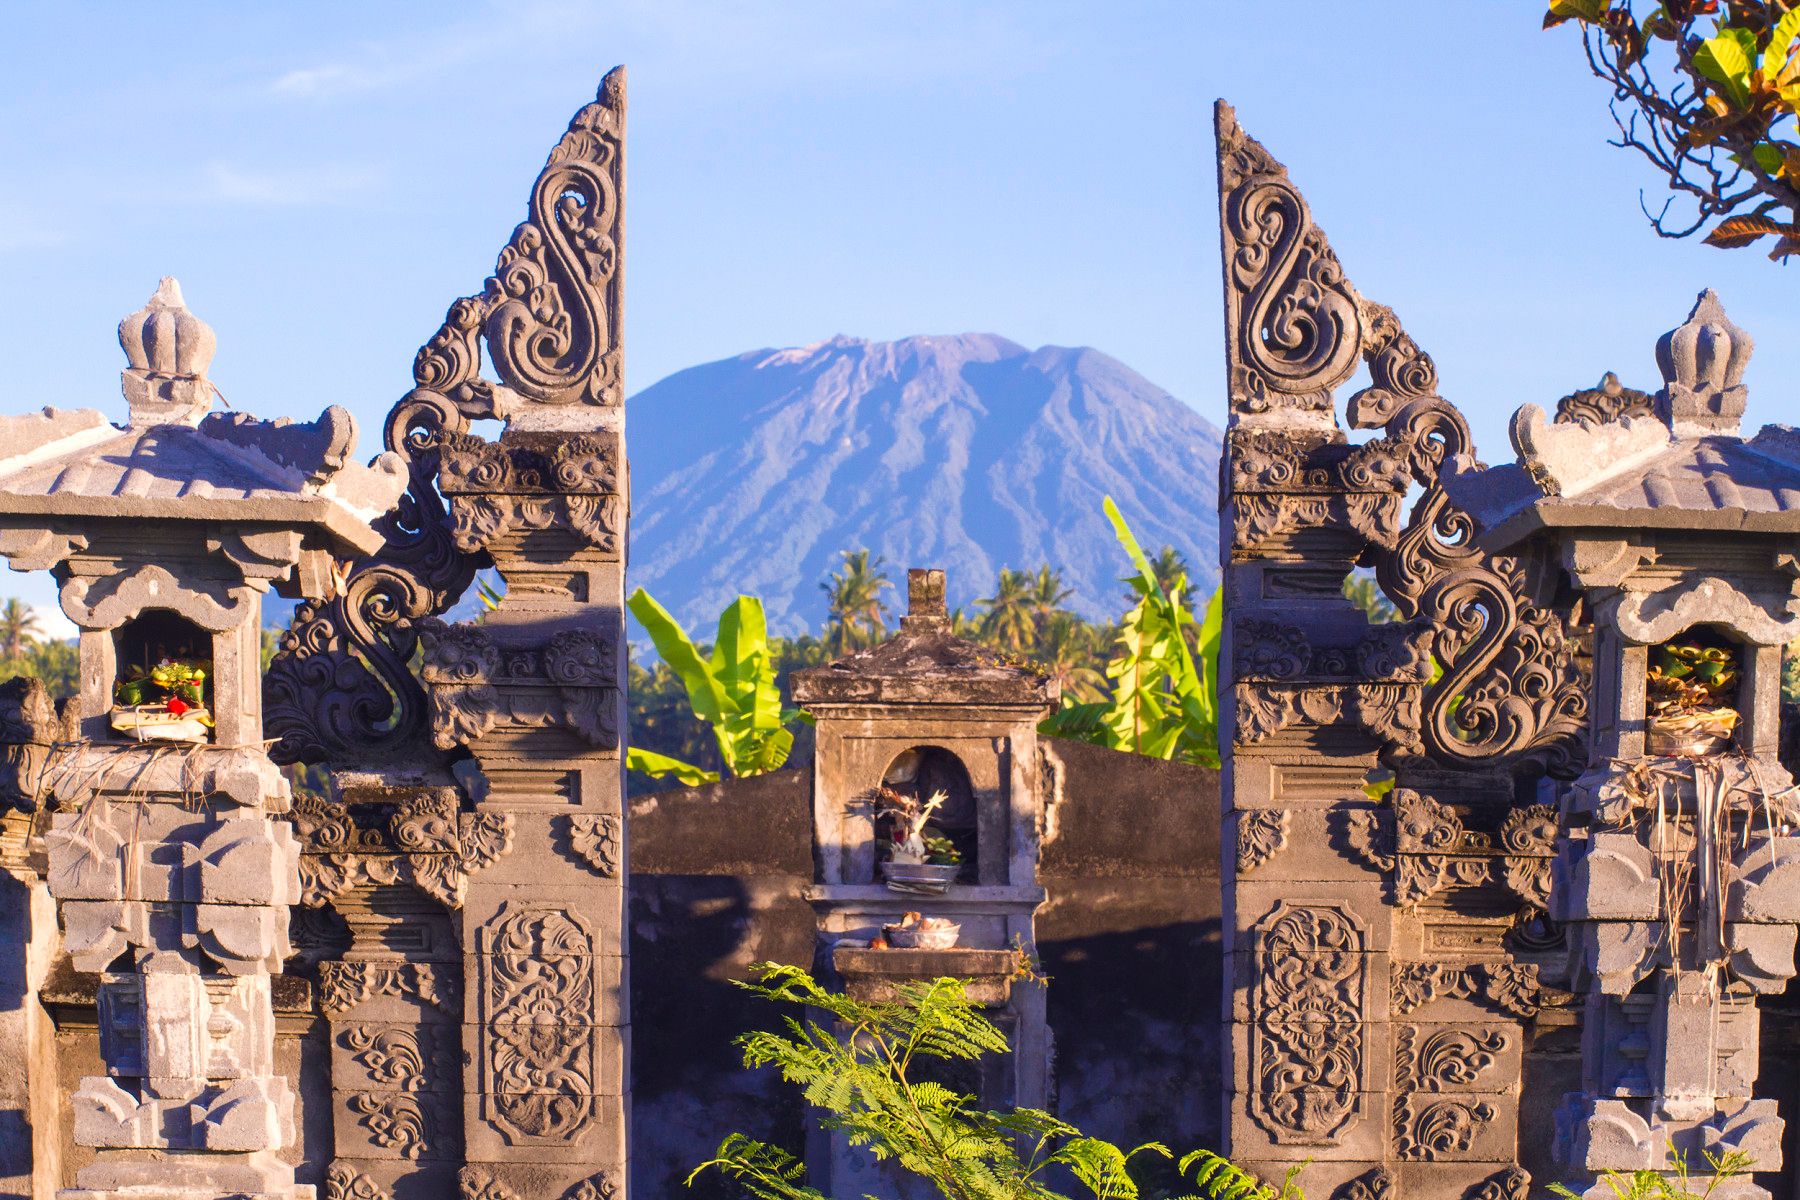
(965, 452)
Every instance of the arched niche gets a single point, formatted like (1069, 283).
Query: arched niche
(919, 772)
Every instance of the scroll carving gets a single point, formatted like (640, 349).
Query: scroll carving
(344, 1182)
(1511, 686)
(1293, 317)
(345, 984)
(1514, 1183)
(1377, 1183)
(1432, 1064)
(396, 1121)
(1307, 1043)
(1261, 834)
(339, 689)
(550, 312)
(1608, 401)
(595, 840)
(539, 1004)
(478, 1183)
(1507, 987)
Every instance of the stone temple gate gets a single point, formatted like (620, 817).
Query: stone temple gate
(1508, 890)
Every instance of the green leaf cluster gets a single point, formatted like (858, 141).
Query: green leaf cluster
(1164, 700)
(866, 1069)
(1714, 94)
(732, 690)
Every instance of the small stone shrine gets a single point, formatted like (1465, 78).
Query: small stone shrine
(1676, 872)
(927, 715)
(171, 876)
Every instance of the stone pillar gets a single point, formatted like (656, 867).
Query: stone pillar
(31, 1101)
(535, 691)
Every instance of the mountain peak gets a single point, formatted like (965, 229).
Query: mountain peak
(964, 451)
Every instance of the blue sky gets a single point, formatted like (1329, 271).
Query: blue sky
(325, 178)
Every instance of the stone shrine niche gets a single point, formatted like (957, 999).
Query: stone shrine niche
(1676, 873)
(170, 872)
(922, 713)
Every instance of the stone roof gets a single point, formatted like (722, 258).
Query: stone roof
(925, 663)
(1682, 466)
(174, 461)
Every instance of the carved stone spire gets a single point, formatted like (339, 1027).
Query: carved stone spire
(1702, 365)
(168, 350)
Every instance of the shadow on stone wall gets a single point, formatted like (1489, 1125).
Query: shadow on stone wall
(1129, 937)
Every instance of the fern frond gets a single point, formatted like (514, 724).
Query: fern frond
(1218, 1178)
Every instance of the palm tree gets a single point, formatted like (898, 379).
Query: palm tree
(1007, 622)
(1361, 590)
(1067, 649)
(18, 626)
(857, 613)
(1047, 595)
(1169, 566)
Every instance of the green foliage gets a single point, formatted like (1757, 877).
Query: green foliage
(732, 690)
(866, 1069)
(1710, 95)
(1361, 590)
(58, 664)
(1024, 619)
(857, 615)
(1674, 1184)
(1164, 670)
(1218, 1178)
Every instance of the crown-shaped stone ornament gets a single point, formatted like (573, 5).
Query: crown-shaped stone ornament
(1702, 365)
(168, 350)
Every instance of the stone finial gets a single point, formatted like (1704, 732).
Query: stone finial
(1702, 366)
(924, 598)
(168, 350)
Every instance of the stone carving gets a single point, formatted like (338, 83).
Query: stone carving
(478, 1183)
(1307, 1045)
(1431, 1060)
(1528, 835)
(343, 985)
(549, 315)
(476, 688)
(423, 842)
(1426, 1130)
(398, 1057)
(1377, 1183)
(1702, 363)
(1608, 401)
(538, 1004)
(340, 688)
(597, 1188)
(344, 1182)
(1261, 833)
(396, 1121)
(595, 839)
(1511, 687)
(1295, 322)
(1508, 987)
(1513, 1183)
(496, 489)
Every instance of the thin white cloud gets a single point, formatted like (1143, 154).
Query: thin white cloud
(228, 183)
(23, 229)
(335, 78)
